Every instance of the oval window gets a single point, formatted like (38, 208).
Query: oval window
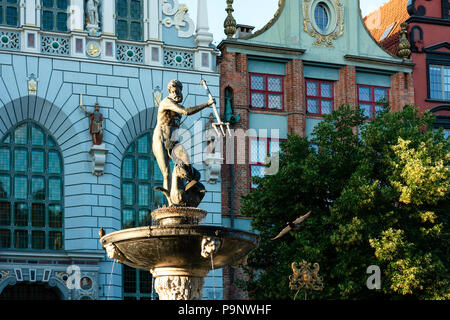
(321, 16)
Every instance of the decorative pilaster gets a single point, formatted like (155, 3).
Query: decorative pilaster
(76, 14)
(30, 12)
(230, 22)
(109, 18)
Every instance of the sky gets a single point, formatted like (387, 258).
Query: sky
(251, 12)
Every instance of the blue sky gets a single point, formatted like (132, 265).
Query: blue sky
(251, 12)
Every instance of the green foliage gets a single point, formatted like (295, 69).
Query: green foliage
(380, 197)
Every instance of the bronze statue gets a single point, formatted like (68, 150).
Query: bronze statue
(165, 146)
(96, 124)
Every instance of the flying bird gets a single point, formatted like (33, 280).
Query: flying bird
(292, 226)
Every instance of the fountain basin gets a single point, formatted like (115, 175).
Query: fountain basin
(179, 246)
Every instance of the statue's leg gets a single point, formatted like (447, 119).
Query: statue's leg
(162, 159)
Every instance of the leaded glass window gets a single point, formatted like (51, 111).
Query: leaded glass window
(439, 77)
(9, 13)
(140, 174)
(266, 91)
(31, 182)
(54, 15)
(129, 18)
(371, 99)
(321, 16)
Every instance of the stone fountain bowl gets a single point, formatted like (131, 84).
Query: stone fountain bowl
(178, 246)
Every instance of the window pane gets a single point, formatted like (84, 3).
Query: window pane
(127, 218)
(5, 213)
(435, 82)
(312, 88)
(121, 8)
(128, 168)
(145, 218)
(47, 3)
(326, 90)
(143, 169)
(378, 108)
(257, 171)
(135, 31)
(144, 195)
(258, 100)
(274, 146)
(275, 101)
(37, 161)
(446, 83)
(62, 4)
(128, 193)
(54, 216)
(380, 94)
(20, 135)
(367, 110)
(38, 188)
(313, 105)
(37, 136)
(20, 187)
(20, 160)
(122, 29)
(54, 162)
(20, 214)
(61, 21)
(55, 240)
(38, 239)
(145, 281)
(54, 189)
(129, 279)
(327, 106)
(143, 144)
(157, 175)
(365, 94)
(11, 16)
(21, 239)
(135, 9)
(5, 239)
(5, 159)
(274, 84)
(7, 139)
(47, 20)
(51, 142)
(321, 17)
(5, 186)
(257, 82)
(38, 215)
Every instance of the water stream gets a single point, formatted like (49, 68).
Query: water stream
(110, 279)
(214, 280)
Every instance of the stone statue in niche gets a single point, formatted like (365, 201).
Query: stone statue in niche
(184, 189)
(92, 17)
(96, 124)
(92, 13)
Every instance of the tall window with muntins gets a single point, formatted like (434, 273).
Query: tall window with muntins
(140, 174)
(266, 91)
(319, 96)
(9, 13)
(321, 16)
(439, 82)
(31, 190)
(371, 99)
(54, 15)
(129, 18)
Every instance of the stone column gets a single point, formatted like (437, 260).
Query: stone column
(179, 283)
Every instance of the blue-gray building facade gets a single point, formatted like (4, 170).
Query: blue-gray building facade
(56, 189)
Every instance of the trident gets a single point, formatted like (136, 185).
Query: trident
(219, 122)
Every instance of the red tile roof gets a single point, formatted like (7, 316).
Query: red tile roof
(390, 15)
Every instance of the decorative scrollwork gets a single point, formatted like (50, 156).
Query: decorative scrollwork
(305, 277)
(334, 31)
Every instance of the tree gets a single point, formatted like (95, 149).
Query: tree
(380, 197)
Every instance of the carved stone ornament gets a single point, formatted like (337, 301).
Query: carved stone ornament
(209, 246)
(335, 28)
(32, 84)
(98, 154)
(179, 287)
(180, 18)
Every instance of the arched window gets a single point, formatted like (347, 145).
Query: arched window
(140, 173)
(54, 15)
(129, 17)
(9, 13)
(31, 189)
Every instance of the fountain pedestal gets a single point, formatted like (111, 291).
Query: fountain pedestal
(178, 251)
